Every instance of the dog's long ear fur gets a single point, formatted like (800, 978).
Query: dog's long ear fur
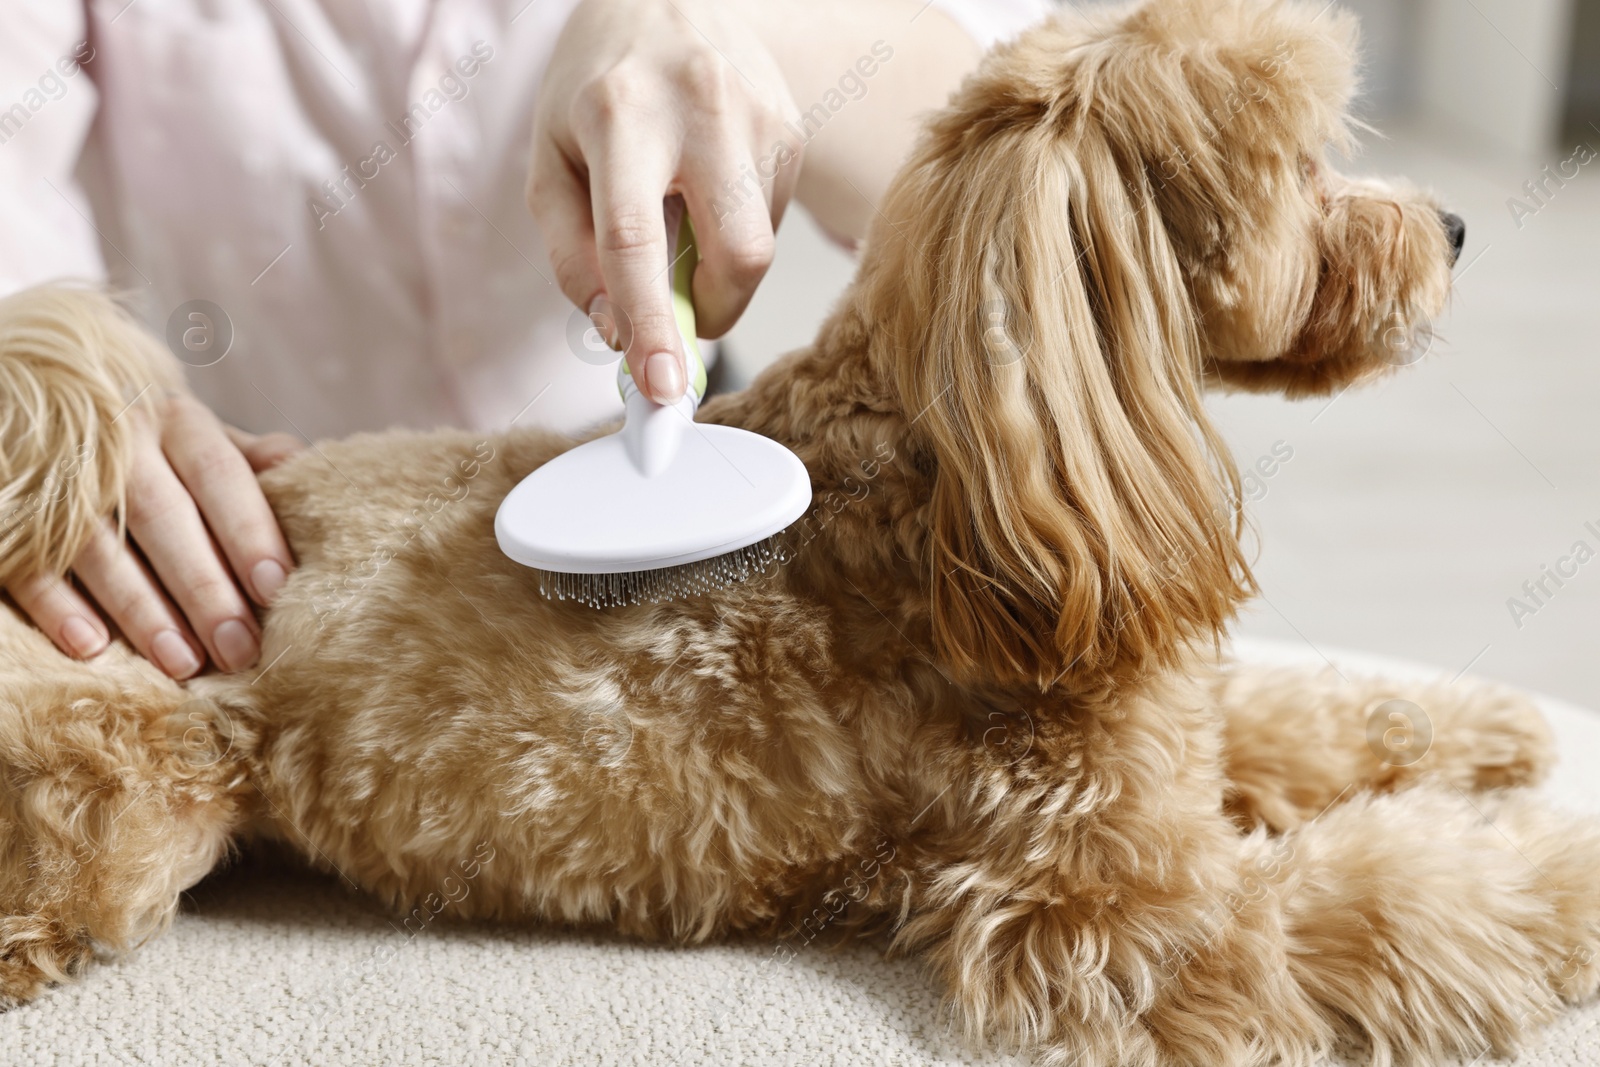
(1035, 324)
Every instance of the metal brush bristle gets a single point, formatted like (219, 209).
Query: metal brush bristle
(668, 583)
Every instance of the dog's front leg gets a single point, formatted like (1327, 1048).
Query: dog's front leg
(1299, 739)
(1086, 900)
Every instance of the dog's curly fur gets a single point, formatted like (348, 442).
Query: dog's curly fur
(982, 709)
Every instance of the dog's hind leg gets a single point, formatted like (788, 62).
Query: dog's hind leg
(1298, 740)
(1437, 922)
(118, 790)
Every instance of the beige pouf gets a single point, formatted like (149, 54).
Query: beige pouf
(268, 967)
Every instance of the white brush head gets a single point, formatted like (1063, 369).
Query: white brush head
(664, 492)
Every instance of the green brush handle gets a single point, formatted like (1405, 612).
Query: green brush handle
(688, 256)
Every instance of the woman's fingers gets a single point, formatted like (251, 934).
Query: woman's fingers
(165, 521)
(264, 451)
(63, 614)
(220, 480)
(198, 516)
(629, 171)
(559, 200)
(737, 181)
(736, 230)
(603, 237)
(644, 100)
(127, 592)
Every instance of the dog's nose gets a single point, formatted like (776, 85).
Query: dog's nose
(1455, 231)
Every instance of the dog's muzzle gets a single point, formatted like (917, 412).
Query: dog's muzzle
(1455, 231)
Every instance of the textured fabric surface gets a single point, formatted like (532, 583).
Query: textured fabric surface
(272, 966)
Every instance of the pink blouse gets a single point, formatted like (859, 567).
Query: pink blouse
(342, 178)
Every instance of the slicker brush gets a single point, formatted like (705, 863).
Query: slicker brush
(665, 508)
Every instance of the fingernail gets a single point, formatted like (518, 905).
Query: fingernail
(268, 577)
(599, 320)
(664, 374)
(173, 654)
(83, 637)
(235, 644)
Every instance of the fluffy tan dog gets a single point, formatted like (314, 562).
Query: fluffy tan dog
(982, 709)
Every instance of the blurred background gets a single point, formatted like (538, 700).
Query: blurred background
(1415, 515)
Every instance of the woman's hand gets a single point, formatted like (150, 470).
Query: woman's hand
(204, 531)
(646, 99)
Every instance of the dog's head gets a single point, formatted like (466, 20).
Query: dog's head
(1115, 209)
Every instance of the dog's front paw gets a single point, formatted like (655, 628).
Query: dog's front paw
(1475, 735)
(36, 953)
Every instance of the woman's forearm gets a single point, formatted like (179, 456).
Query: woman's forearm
(860, 72)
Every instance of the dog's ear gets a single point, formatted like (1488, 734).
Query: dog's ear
(1031, 315)
(1226, 99)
